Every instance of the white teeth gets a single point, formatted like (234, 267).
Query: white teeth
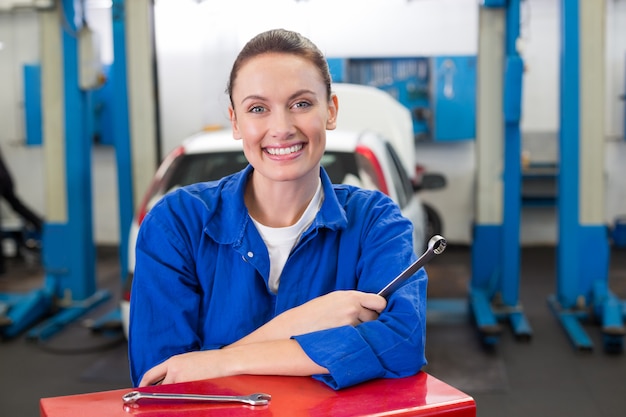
(284, 151)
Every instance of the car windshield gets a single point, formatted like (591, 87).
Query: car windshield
(192, 168)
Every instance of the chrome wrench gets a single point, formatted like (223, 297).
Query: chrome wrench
(436, 245)
(253, 399)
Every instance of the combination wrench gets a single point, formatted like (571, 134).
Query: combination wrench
(436, 245)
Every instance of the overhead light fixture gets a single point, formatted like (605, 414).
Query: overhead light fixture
(99, 4)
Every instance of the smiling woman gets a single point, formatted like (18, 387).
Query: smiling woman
(223, 280)
(283, 128)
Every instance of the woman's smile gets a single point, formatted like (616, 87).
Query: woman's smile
(284, 150)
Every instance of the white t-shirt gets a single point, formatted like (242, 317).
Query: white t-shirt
(281, 240)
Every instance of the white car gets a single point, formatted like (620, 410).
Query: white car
(364, 159)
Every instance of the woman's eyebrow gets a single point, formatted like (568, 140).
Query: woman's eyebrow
(301, 92)
(252, 97)
(291, 97)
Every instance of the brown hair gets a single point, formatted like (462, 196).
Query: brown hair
(280, 41)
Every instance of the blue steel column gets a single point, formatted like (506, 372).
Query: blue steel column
(121, 131)
(512, 163)
(568, 197)
(514, 71)
(121, 142)
(583, 251)
(564, 304)
(69, 250)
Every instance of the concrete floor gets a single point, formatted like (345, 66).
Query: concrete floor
(541, 377)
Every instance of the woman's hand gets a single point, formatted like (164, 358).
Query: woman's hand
(189, 366)
(336, 309)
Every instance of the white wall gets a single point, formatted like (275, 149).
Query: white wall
(197, 43)
(19, 44)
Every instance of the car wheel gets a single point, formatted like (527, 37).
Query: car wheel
(434, 224)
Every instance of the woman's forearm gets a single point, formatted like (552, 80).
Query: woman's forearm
(277, 357)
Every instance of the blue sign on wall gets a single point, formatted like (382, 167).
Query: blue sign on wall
(32, 104)
(100, 101)
(453, 98)
(440, 91)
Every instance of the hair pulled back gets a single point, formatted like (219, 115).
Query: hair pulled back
(280, 41)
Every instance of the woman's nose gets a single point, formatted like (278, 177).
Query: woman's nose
(282, 125)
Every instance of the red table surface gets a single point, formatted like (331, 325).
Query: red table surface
(419, 395)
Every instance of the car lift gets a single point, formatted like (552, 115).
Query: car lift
(583, 252)
(494, 286)
(121, 138)
(135, 110)
(69, 288)
(68, 248)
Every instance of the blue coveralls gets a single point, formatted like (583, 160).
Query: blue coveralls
(201, 280)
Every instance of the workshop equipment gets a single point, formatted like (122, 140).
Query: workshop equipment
(68, 244)
(619, 232)
(583, 237)
(134, 397)
(439, 91)
(494, 286)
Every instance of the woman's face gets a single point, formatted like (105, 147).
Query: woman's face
(281, 112)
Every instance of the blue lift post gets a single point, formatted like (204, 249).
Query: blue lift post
(121, 135)
(122, 131)
(68, 248)
(583, 252)
(494, 287)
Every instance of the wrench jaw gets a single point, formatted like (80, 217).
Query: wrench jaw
(259, 399)
(437, 244)
(131, 397)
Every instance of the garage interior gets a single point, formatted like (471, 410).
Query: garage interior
(526, 304)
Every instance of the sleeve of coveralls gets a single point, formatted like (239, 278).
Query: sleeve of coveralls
(164, 296)
(393, 345)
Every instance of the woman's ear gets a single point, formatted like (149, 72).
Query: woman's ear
(233, 122)
(333, 108)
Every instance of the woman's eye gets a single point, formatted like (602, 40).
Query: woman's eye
(302, 104)
(257, 109)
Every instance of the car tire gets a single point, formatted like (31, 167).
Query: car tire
(434, 224)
